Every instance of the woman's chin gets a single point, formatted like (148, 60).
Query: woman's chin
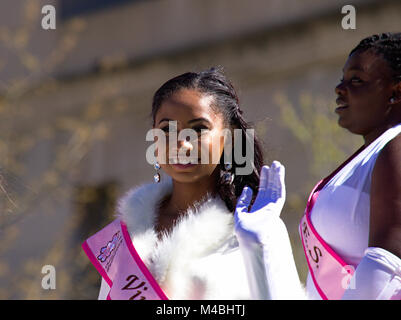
(190, 173)
(351, 128)
(184, 176)
(342, 122)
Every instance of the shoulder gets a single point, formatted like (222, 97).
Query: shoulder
(386, 176)
(387, 169)
(389, 156)
(385, 230)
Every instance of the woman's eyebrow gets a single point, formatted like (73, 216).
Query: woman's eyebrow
(353, 69)
(190, 121)
(165, 119)
(199, 119)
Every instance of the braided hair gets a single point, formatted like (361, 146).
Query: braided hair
(388, 45)
(213, 82)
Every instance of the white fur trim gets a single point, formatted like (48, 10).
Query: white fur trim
(198, 257)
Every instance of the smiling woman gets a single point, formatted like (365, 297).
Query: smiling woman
(358, 210)
(207, 103)
(367, 94)
(351, 230)
(183, 226)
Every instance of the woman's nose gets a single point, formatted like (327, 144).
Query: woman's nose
(185, 144)
(340, 89)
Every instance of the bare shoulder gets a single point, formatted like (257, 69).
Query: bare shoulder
(390, 155)
(385, 213)
(387, 169)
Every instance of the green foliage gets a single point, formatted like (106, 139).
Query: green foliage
(313, 124)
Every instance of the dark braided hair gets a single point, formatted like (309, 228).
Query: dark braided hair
(214, 82)
(388, 45)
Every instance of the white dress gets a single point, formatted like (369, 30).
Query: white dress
(342, 210)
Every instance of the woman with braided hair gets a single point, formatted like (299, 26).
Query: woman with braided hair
(351, 230)
(175, 238)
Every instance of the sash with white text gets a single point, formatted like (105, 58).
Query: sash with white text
(112, 253)
(330, 273)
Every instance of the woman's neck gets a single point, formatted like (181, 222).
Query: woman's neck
(377, 132)
(373, 135)
(184, 196)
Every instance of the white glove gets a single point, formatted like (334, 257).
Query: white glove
(377, 277)
(251, 226)
(264, 240)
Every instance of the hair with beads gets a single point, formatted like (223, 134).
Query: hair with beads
(213, 82)
(388, 45)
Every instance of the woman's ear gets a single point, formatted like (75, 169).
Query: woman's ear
(396, 97)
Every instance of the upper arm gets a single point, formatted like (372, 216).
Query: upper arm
(385, 199)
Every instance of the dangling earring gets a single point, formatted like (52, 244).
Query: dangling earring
(392, 100)
(228, 177)
(156, 177)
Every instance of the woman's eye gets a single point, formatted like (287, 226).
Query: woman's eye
(356, 80)
(199, 129)
(353, 80)
(169, 129)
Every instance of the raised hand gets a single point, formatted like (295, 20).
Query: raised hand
(264, 241)
(253, 224)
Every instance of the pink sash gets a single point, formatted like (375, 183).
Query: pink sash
(112, 253)
(330, 273)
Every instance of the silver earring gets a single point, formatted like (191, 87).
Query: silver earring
(392, 100)
(227, 176)
(156, 177)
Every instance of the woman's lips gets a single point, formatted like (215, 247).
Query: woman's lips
(342, 105)
(183, 166)
(341, 108)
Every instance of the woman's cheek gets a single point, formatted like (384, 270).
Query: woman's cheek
(217, 146)
(161, 151)
(201, 150)
(206, 149)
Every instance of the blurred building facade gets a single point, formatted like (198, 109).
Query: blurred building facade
(75, 105)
